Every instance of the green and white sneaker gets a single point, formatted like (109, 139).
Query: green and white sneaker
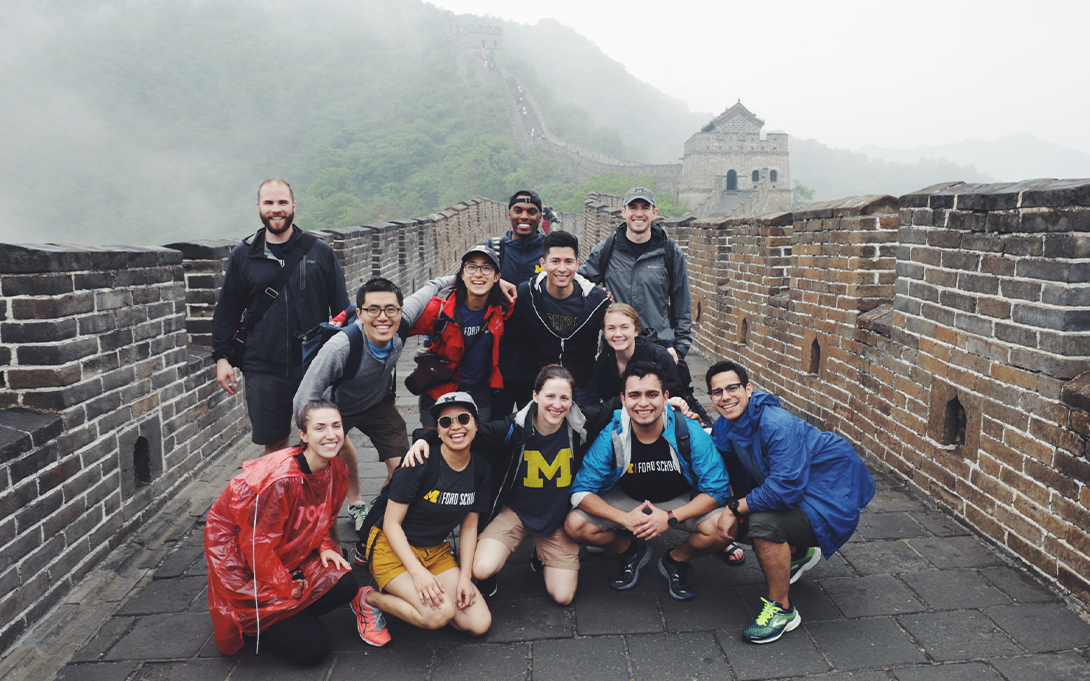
(804, 562)
(358, 513)
(771, 624)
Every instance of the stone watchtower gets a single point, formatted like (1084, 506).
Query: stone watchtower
(728, 164)
(479, 50)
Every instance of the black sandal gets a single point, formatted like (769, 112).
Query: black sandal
(733, 555)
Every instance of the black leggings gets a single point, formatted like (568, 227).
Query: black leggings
(302, 638)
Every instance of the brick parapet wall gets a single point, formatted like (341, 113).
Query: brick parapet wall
(108, 399)
(95, 342)
(945, 334)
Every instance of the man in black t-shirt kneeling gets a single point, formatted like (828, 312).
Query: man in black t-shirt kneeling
(639, 479)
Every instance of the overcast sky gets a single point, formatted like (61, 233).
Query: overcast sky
(850, 73)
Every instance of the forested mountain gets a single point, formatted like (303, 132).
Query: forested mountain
(132, 121)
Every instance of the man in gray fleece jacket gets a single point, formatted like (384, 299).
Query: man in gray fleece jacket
(366, 400)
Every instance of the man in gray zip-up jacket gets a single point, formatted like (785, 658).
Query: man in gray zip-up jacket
(315, 291)
(646, 269)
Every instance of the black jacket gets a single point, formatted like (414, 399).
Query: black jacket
(315, 290)
(540, 346)
(609, 378)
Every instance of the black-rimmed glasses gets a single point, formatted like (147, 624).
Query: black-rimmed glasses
(390, 311)
(731, 389)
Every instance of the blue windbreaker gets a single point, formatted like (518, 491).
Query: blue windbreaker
(793, 464)
(601, 470)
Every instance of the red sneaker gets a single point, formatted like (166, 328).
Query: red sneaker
(370, 620)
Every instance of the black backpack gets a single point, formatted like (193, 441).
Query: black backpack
(431, 476)
(314, 339)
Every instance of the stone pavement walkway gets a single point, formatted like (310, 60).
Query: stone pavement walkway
(915, 596)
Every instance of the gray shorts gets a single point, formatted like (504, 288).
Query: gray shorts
(384, 426)
(268, 403)
(621, 501)
(790, 527)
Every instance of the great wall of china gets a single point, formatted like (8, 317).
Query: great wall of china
(946, 333)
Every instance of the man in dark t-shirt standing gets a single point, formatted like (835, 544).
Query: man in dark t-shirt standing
(641, 477)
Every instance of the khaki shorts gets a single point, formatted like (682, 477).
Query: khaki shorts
(622, 502)
(555, 551)
(385, 565)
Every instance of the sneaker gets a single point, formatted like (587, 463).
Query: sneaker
(677, 577)
(369, 620)
(358, 513)
(629, 573)
(804, 562)
(772, 623)
(535, 563)
(488, 586)
(359, 555)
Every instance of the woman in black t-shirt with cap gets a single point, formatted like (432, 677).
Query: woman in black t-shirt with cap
(411, 560)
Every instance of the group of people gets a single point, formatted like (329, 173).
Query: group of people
(555, 405)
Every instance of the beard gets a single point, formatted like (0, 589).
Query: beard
(288, 218)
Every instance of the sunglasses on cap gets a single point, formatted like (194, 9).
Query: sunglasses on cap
(447, 421)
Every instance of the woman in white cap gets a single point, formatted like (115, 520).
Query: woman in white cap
(418, 578)
(465, 323)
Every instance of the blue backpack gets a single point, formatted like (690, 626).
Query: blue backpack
(314, 339)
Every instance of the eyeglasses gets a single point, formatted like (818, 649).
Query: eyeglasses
(390, 311)
(731, 389)
(485, 268)
(446, 421)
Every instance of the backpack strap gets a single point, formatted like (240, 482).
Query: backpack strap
(605, 254)
(272, 291)
(356, 341)
(681, 434)
(496, 244)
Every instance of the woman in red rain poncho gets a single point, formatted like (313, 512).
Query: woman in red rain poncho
(271, 531)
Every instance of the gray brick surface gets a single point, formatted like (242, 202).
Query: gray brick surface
(861, 644)
(968, 671)
(1065, 629)
(959, 635)
(602, 658)
(954, 590)
(695, 656)
(870, 596)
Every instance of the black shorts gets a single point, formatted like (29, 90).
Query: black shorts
(779, 527)
(269, 404)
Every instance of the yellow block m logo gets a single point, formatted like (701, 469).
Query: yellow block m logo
(432, 496)
(560, 468)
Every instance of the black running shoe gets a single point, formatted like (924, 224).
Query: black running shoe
(677, 577)
(488, 586)
(629, 573)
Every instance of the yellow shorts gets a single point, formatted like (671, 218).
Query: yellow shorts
(385, 565)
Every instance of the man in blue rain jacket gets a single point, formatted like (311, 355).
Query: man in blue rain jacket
(797, 492)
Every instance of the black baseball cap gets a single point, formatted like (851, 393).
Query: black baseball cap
(525, 196)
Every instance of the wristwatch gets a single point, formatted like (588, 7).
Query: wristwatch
(671, 520)
(732, 504)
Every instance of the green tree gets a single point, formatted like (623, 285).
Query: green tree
(801, 196)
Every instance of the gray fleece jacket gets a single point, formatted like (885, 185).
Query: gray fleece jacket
(372, 382)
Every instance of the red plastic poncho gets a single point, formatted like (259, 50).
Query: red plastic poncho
(271, 520)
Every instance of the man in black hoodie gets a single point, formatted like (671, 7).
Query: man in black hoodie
(558, 316)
